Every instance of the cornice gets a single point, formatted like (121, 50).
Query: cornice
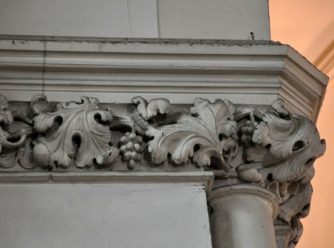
(67, 67)
(190, 177)
(157, 111)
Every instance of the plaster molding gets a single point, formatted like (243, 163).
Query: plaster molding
(245, 190)
(204, 178)
(238, 207)
(63, 68)
(126, 129)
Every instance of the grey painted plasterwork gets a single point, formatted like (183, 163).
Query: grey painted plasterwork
(261, 145)
(150, 115)
(115, 70)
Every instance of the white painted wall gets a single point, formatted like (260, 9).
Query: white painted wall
(214, 19)
(118, 215)
(203, 19)
(100, 18)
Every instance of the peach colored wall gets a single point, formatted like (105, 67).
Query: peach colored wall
(308, 25)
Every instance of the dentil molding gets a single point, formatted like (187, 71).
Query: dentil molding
(267, 146)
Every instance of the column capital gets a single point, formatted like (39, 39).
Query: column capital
(164, 105)
(245, 145)
(242, 190)
(242, 215)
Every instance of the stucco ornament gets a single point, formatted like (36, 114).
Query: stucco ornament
(149, 109)
(269, 146)
(12, 135)
(131, 149)
(284, 146)
(208, 131)
(259, 146)
(281, 156)
(76, 134)
(143, 113)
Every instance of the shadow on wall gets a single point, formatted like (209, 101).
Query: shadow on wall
(323, 45)
(318, 225)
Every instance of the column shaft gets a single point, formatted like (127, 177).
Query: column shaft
(242, 217)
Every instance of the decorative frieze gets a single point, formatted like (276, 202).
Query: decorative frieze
(208, 131)
(267, 146)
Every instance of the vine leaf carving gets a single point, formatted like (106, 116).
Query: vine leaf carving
(76, 134)
(147, 110)
(293, 146)
(281, 156)
(284, 145)
(39, 104)
(273, 148)
(10, 138)
(7, 139)
(276, 133)
(209, 131)
(6, 118)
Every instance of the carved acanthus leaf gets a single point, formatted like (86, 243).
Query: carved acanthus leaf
(76, 134)
(272, 147)
(209, 131)
(297, 204)
(281, 154)
(293, 145)
(284, 145)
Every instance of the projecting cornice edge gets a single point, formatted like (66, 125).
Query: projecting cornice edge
(63, 68)
(151, 108)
